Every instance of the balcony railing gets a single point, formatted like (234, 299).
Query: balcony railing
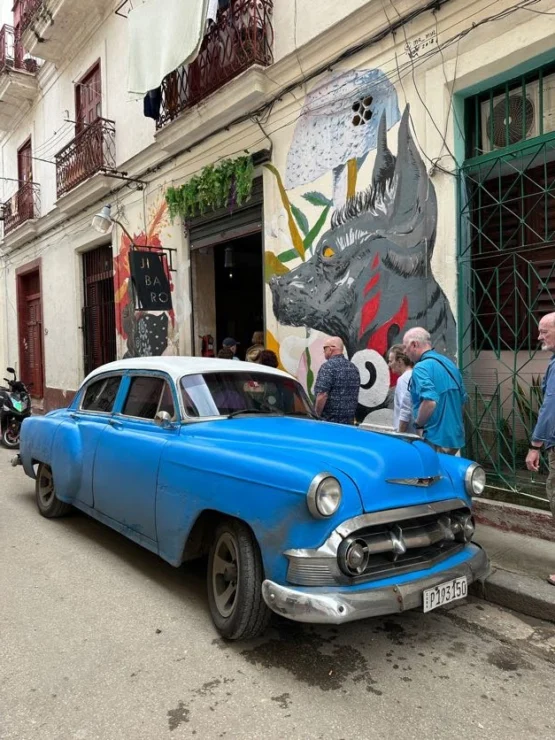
(92, 150)
(29, 10)
(21, 207)
(12, 53)
(242, 36)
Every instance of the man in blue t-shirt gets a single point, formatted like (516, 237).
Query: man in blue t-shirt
(438, 393)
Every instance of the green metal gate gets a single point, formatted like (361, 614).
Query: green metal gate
(506, 273)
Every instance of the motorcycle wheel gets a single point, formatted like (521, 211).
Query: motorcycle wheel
(10, 436)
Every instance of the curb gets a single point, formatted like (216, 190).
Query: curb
(518, 592)
(514, 518)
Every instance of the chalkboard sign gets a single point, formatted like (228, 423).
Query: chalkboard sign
(152, 285)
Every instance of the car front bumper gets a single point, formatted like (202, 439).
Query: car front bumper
(336, 607)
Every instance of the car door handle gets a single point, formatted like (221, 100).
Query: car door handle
(115, 423)
(73, 415)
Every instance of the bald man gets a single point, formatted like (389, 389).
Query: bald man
(543, 435)
(437, 391)
(337, 385)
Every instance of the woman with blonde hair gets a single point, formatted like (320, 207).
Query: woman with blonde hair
(253, 352)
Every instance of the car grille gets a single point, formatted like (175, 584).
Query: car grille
(389, 550)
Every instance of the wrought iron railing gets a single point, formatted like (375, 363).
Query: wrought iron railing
(28, 12)
(506, 284)
(241, 36)
(21, 207)
(92, 150)
(12, 53)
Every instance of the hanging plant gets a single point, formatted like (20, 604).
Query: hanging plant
(226, 184)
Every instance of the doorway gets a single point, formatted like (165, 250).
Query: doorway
(30, 331)
(99, 311)
(228, 291)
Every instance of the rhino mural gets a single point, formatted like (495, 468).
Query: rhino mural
(370, 277)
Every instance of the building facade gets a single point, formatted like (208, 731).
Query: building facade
(403, 157)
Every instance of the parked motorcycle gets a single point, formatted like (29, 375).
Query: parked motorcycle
(15, 405)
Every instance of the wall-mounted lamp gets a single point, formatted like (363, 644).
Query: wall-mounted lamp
(103, 222)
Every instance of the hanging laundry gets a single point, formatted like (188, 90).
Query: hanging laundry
(152, 102)
(212, 12)
(160, 41)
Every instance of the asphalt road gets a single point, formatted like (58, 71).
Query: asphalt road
(101, 639)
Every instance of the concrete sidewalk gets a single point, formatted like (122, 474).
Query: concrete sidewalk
(520, 566)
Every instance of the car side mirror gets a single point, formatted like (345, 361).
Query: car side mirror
(163, 419)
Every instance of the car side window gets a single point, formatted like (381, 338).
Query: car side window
(147, 395)
(101, 395)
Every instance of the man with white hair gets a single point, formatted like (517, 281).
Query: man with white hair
(543, 435)
(337, 385)
(437, 391)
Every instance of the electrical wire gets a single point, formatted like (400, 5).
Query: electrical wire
(263, 109)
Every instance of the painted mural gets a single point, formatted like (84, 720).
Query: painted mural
(363, 269)
(144, 333)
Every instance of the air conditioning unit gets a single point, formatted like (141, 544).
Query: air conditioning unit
(509, 119)
(548, 88)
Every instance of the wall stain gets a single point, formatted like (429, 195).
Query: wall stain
(284, 700)
(178, 716)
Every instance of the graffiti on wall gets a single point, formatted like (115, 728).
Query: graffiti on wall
(145, 333)
(367, 277)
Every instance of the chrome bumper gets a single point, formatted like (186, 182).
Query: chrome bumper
(337, 607)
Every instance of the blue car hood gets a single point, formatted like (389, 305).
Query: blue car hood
(370, 459)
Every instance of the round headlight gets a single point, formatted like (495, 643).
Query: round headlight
(475, 480)
(324, 496)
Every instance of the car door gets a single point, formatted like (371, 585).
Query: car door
(77, 437)
(128, 455)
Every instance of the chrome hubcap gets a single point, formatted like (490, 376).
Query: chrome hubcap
(46, 486)
(225, 574)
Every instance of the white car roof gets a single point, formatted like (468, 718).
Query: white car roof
(177, 367)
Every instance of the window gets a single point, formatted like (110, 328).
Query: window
(147, 396)
(508, 211)
(100, 395)
(220, 394)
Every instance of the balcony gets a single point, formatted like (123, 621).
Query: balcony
(50, 29)
(86, 159)
(18, 82)
(241, 38)
(21, 210)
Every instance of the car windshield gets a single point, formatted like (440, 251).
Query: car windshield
(233, 393)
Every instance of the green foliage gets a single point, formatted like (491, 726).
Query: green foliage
(529, 403)
(300, 218)
(317, 199)
(216, 186)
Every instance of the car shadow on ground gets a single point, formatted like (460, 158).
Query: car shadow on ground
(319, 655)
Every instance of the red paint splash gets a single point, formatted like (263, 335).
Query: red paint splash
(122, 273)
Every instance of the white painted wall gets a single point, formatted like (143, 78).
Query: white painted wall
(320, 35)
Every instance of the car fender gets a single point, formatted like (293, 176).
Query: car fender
(37, 440)
(67, 459)
(268, 495)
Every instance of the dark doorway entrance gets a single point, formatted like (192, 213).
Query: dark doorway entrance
(239, 289)
(99, 313)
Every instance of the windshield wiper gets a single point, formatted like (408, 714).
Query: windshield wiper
(254, 411)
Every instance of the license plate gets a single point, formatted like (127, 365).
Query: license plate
(445, 593)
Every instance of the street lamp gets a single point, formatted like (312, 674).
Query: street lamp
(103, 222)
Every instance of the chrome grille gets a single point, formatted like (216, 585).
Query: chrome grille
(390, 549)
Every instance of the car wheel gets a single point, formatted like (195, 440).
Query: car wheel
(234, 583)
(45, 493)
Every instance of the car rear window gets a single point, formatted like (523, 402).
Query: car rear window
(147, 395)
(100, 395)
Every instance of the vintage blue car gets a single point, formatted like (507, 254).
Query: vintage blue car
(318, 522)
